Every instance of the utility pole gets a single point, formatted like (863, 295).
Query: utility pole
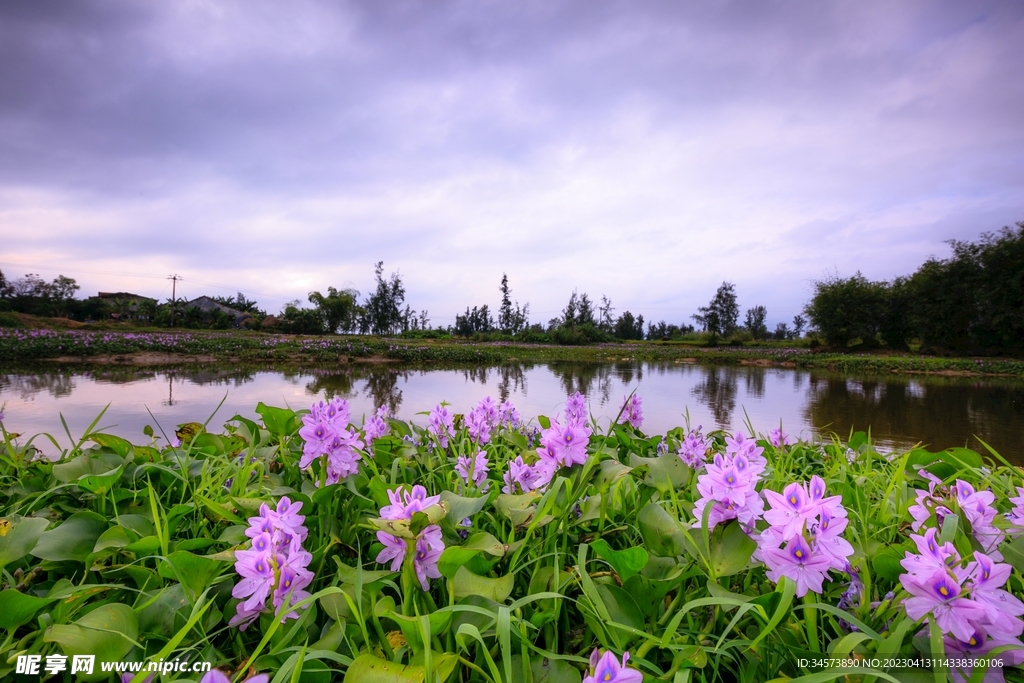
(174, 294)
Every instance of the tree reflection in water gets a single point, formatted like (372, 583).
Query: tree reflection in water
(941, 412)
(718, 392)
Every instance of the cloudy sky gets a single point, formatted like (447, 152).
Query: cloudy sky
(642, 150)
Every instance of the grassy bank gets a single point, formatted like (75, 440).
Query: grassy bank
(149, 348)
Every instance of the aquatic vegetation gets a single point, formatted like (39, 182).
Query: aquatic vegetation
(482, 546)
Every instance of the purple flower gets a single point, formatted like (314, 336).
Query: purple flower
(797, 561)
(605, 668)
(565, 445)
(632, 410)
(473, 468)
(377, 426)
(479, 428)
(393, 552)
(938, 597)
(779, 438)
(428, 552)
(519, 475)
(740, 444)
(405, 502)
(728, 485)
(1002, 608)
(275, 564)
(508, 415)
(694, 449)
(441, 424)
(576, 408)
(257, 574)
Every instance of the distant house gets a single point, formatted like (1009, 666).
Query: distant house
(208, 305)
(130, 300)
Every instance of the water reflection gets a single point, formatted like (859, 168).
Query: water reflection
(899, 410)
(718, 391)
(939, 412)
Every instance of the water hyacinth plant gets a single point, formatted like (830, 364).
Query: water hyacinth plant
(485, 547)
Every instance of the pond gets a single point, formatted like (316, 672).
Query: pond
(899, 410)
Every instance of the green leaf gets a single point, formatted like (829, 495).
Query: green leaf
(467, 583)
(444, 663)
(370, 669)
(626, 562)
(1013, 553)
(18, 535)
(609, 472)
(518, 508)
(665, 472)
(99, 484)
(454, 557)
(137, 523)
(86, 464)
(459, 508)
(623, 610)
(661, 533)
(108, 632)
(410, 627)
(114, 443)
(886, 564)
(74, 539)
(195, 571)
(278, 421)
(731, 548)
(548, 670)
(114, 537)
(544, 422)
(17, 608)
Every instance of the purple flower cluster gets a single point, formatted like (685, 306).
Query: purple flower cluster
(473, 469)
(693, 451)
(632, 411)
(967, 602)
(326, 433)
(274, 566)
(441, 424)
(428, 546)
(779, 438)
(976, 506)
(729, 485)
(481, 420)
(377, 426)
(508, 415)
(524, 478)
(605, 668)
(805, 537)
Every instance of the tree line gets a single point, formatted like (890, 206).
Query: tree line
(969, 303)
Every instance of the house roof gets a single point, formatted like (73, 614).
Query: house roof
(205, 303)
(124, 295)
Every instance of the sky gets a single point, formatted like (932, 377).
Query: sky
(645, 151)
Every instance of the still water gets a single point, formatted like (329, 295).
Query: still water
(900, 411)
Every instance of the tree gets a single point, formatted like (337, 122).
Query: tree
(585, 315)
(511, 320)
(382, 311)
(628, 327)
(337, 309)
(782, 331)
(571, 311)
(845, 309)
(604, 315)
(755, 322)
(719, 317)
(799, 322)
(474, 321)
